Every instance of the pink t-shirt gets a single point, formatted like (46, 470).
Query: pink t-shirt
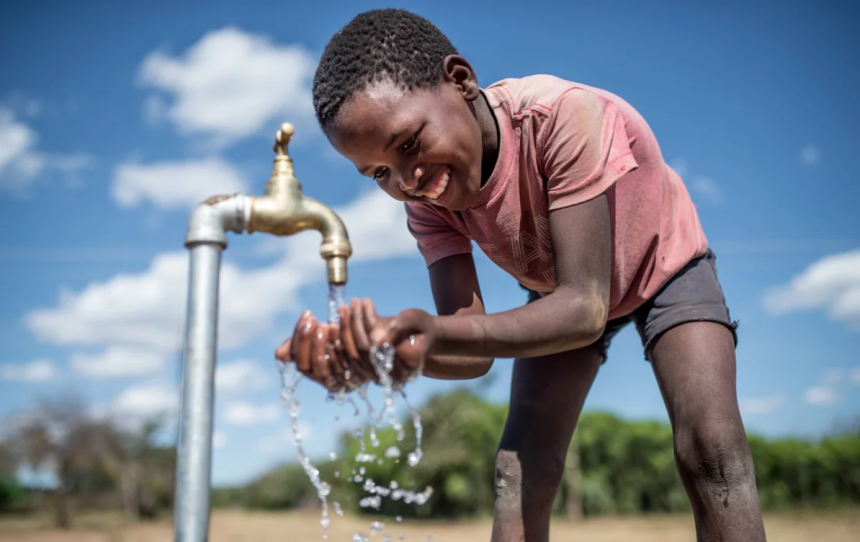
(561, 144)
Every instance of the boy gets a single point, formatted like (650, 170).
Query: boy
(563, 186)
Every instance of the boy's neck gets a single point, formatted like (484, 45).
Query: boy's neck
(489, 137)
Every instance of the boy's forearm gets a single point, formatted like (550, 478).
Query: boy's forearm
(524, 332)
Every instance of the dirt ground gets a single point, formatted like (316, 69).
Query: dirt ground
(237, 526)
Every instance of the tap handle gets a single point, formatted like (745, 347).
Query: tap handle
(283, 138)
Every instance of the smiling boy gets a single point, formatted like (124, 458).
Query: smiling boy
(564, 187)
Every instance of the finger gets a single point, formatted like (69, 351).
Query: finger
(371, 319)
(346, 337)
(334, 350)
(302, 342)
(359, 328)
(283, 351)
(319, 359)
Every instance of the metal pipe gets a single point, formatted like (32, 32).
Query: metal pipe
(193, 464)
(283, 210)
(205, 239)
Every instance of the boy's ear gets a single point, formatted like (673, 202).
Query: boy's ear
(457, 71)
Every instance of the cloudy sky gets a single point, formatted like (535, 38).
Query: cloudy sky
(115, 119)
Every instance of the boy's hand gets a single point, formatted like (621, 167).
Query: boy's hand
(413, 334)
(318, 353)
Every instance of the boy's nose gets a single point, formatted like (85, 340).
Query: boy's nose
(409, 181)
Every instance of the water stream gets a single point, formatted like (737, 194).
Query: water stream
(383, 362)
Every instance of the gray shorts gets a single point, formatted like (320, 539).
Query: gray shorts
(692, 295)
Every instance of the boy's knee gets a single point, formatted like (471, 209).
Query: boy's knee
(527, 479)
(713, 454)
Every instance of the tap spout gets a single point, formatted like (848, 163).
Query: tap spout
(284, 210)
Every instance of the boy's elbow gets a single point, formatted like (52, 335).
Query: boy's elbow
(591, 320)
(466, 371)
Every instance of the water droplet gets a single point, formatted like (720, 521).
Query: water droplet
(332, 456)
(376, 526)
(415, 457)
(337, 508)
(392, 452)
(398, 519)
(362, 470)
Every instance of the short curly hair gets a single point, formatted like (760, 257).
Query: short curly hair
(376, 45)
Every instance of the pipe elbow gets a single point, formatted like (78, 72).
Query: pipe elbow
(211, 219)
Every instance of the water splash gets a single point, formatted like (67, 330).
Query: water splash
(383, 362)
(289, 380)
(414, 457)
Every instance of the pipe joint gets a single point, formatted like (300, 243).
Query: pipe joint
(214, 217)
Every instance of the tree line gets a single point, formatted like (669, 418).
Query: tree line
(614, 466)
(91, 462)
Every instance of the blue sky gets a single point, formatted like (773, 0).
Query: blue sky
(116, 118)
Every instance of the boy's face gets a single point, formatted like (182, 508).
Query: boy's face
(422, 145)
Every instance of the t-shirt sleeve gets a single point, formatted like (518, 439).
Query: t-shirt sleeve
(437, 238)
(585, 148)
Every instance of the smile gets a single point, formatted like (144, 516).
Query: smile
(435, 188)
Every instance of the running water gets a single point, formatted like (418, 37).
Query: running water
(336, 300)
(289, 380)
(383, 362)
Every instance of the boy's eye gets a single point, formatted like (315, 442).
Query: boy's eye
(380, 173)
(409, 143)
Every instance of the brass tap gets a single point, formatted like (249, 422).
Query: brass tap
(284, 210)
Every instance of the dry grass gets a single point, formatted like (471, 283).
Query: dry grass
(237, 526)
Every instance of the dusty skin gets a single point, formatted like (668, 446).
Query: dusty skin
(237, 526)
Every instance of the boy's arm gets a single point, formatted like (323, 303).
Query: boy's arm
(571, 317)
(457, 292)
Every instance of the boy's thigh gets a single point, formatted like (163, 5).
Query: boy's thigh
(694, 294)
(547, 395)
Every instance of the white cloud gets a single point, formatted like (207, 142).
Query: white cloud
(241, 413)
(820, 396)
(219, 439)
(762, 405)
(833, 376)
(146, 400)
(680, 167)
(243, 375)
(231, 84)
(21, 163)
(39, 370)
(119, 361)
(707, 189)
(147, 309)
(175, 184)
(810, 155)
(701, 185)
(282, 440)
(833, 282)
(855, 376)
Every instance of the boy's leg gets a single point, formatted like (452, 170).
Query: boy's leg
(695, 368)
(547, 395)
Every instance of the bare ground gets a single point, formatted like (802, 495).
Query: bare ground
(239, 526)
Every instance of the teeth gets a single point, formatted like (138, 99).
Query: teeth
(440, 187)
